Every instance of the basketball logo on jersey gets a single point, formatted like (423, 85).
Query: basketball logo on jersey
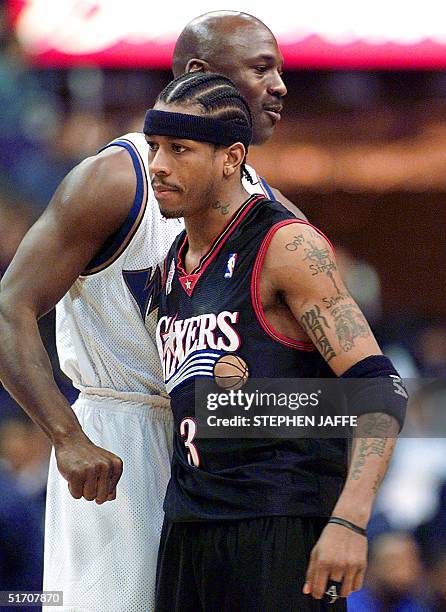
(190, 347)
(231, 372)
(230, 265)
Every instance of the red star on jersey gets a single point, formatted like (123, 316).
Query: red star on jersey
(188, 282)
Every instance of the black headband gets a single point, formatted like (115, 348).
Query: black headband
(196, 127)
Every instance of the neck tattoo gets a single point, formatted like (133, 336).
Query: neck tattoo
(223, 208)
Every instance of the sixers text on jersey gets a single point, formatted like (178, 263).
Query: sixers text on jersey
(192, 346)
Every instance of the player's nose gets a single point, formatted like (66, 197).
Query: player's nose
(158, 163)
(277, 87)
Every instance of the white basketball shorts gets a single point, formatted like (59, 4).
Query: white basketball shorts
(104, 557)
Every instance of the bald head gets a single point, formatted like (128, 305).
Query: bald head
(208, 35)
(242, 48)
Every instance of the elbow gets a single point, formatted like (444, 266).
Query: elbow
(12, 312)
(372, 385)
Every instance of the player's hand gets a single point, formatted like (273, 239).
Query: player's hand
(91, 472)
(339, 555)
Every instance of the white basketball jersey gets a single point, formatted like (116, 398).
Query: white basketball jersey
(105, 324)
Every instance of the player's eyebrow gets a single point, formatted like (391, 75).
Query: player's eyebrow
(268, 58)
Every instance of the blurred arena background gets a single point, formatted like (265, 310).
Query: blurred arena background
(361, 149)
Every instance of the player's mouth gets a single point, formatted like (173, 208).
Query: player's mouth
(162, 191)
(274, 112)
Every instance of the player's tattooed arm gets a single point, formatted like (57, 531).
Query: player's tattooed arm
(371, 424)
(302, 268)
(373, 446)
(315, 324)
(350, 324)
(319, 256)
(308, 281)
(340, 554)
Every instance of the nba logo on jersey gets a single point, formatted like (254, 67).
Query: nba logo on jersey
(230, 265)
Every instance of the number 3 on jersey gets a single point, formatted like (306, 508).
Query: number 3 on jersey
(188, 430)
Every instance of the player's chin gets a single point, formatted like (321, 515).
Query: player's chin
(263, 132)
(169, 213)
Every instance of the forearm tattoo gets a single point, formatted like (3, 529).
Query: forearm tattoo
(378, 427)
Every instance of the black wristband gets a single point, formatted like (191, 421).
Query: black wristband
(375, 386)
(340, 521)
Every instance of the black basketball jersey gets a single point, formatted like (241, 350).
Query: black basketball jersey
(213, 311)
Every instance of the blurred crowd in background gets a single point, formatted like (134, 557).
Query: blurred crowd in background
(51, 119)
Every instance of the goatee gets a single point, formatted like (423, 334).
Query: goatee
(172, 214)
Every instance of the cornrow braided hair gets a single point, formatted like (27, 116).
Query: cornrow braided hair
(215, 93)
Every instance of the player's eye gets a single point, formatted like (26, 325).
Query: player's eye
(152, 146)
(261, 69)
(177, 148)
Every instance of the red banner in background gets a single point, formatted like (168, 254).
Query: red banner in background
(318, 34)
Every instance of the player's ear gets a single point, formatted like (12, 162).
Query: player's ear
(197, 65)
(235, 155)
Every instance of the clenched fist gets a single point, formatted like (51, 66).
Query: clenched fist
(91, 472)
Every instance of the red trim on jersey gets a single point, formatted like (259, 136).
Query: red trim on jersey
(255, 288)
(188, 282)
(180, 256)
(194, 276)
